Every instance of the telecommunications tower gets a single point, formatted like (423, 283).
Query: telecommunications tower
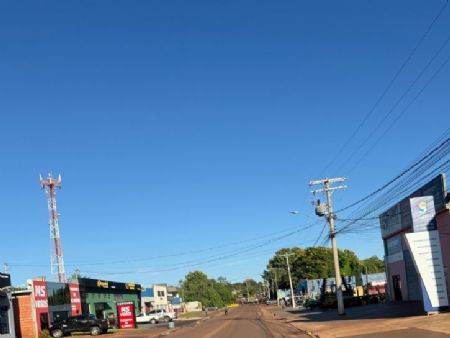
(56, 256)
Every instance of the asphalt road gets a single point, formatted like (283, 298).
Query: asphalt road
(248, 321)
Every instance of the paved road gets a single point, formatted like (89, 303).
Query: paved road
(248, 321)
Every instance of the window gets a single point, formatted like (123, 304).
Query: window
(4, 316)
(160, 293)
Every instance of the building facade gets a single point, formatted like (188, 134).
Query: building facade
(417, 247)
(7, 329)
(44, 302)
(100, 297)
(155, 297)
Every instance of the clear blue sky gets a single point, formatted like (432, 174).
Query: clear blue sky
(183, 126)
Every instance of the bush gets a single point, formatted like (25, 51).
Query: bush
(44, 334)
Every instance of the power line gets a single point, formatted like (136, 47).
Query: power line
(446, 142)
(386, 90)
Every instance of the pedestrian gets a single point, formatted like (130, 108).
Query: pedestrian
(226, 310)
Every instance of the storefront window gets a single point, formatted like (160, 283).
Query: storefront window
(4, 316)
(59, 301)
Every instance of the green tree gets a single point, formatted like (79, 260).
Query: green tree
(372, 264)
(197, 287)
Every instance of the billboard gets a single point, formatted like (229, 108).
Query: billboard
(126, 316)
(425, 249)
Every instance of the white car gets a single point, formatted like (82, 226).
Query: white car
(149, 317)
(164, 315)
(156, 316)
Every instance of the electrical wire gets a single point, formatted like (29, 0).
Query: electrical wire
(390, 84)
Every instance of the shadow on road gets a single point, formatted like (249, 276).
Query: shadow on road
(373, 311)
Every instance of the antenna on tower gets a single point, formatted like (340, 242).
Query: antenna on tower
(56, 255)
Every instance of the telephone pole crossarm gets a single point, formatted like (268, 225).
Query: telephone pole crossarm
(329, 189)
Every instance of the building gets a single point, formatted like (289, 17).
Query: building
(24, 318)
(99, 297)
(417, 246)
(7, 329)
(44, 302)
(155, 297)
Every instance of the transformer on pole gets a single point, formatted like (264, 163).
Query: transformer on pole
(56, 255)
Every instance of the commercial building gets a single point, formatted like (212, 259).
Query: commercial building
(6, 308)
(44, 302)
(416, 239)
(100, 297)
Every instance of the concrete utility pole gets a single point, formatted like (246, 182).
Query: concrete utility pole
(286, 255)
(331, 216)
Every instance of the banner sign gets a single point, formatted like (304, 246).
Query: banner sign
(75, 300)
(125, 315)
(423, 212)
(40, 298)
(426, 252)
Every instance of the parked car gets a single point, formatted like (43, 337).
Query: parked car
(156, 316)
(166, 316)
(149, 317)
(80, 323)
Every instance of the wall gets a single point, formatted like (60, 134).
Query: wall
(160, 302)
(443, 223)
(397, 268)
(23, 316)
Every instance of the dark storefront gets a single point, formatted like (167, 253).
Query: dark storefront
(100, 297)
(6, 309)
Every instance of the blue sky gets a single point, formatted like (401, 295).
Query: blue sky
(186, 130)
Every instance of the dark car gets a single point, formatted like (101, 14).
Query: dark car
(81, 323)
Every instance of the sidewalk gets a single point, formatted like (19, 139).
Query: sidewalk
(366, 319)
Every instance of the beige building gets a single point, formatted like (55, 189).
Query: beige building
(154, 297)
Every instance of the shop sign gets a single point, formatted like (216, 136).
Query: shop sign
(40, 297)
(40, 294)
(423, 212)
(426, 252)
(126, 316)
(130, 286)
(75, 300)
(102, 284)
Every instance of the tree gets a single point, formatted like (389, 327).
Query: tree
(197, 287)
(372, 264)
(315, 263)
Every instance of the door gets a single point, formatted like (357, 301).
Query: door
(44, 321)
(397, 284)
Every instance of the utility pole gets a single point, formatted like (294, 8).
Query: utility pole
(286, 255)
(330, 217)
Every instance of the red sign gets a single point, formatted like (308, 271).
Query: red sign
(40, 303)
(75, 299)
(125, 315)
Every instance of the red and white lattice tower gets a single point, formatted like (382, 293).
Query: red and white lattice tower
(56, 255)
